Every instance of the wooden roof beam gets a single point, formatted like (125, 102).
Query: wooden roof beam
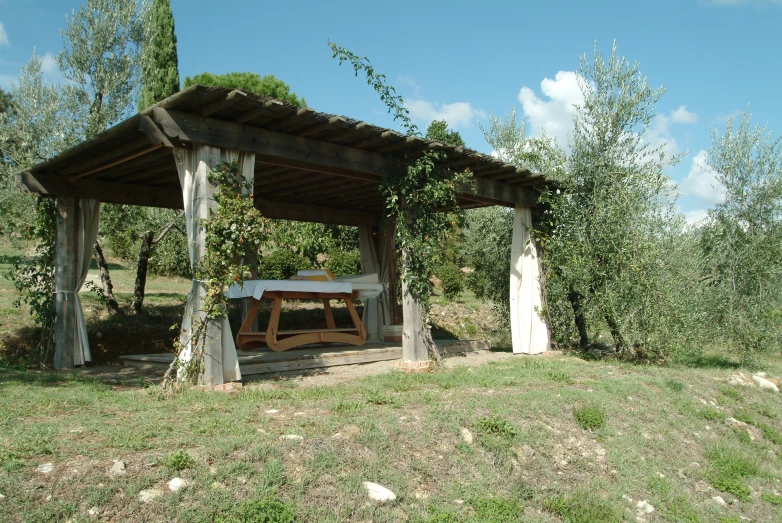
(54, 185)
(314, 213)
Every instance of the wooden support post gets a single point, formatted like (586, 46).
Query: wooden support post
(413, 347)
(65, 281)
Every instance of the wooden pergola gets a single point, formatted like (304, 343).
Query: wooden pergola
(305, 166)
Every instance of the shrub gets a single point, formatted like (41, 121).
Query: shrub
(343, 263)
(582, 507)
(179, 460)
(559, 376)
(497, 510)
(262, 510)
(771, 498)
(281, 265)
(674, 385)
(452, 280)
(497, 426)
(590, 417)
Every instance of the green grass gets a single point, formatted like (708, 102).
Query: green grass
(555, 439)
(729, 468)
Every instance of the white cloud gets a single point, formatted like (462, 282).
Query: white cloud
(682, 115)
(696, 217)
(3, 35)
(702, 181)
(49, 65)
(554, 114)
(458, 114)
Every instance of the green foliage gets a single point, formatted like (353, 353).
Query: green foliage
(101, 62)
(235, 231)
(376, 397)
(343, 263)
(498, 510)
(159, 60)
(281, 265)
(438, 515)
(438, 131)
(6, 101)
(254, 83)
(497, 426)
(613, 242)
(123, 226)
(674, 385)
(770, 433)
(590, 417)
(774, 499)
(178, 460)
(313, 239)
(487, 240)
(415, 198)
(559, 376)
(452, 279)
(741, 244)
(582, 507)
(728, 469)
(710, 414)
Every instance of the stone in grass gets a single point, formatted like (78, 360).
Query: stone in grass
(177, 484)
(719, 501)
(378, 492)
(44, 468)
(467, 436)
(764, 384)
(147, 495)
(118, 468)
(292, 437)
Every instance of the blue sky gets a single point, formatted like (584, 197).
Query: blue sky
(464, 60)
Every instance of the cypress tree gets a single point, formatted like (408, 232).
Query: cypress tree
(159, 61)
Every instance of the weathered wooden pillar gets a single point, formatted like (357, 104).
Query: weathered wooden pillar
(529, 332)
(64, 282)
(413, 347)
(220, 363)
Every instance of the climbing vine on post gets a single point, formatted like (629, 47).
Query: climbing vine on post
(416, 199)
(235, 231)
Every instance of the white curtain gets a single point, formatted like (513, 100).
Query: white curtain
(376, 310)
(87, 217)
(528, 331)
(193, 167)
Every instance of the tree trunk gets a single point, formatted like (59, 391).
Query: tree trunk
(613, 327)
(147, 242)
(578, 313)
(141, 271)
(105, 278)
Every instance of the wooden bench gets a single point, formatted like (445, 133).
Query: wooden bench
(279, 341)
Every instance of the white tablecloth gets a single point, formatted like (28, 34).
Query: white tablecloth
(256, 288)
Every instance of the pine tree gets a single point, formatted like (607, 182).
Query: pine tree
(159, 61)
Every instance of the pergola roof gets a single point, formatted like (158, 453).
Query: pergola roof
(310, 166)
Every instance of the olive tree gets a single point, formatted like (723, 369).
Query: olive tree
(742, 240)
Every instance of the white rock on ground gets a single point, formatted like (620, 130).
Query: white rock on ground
(272, 411)
(761, 375)
(293, 437)
(719, 501)
(378, 492)
(149, 494)
(93, 512)
(1, 496)
(764, 384)
(644, 507)
(467, 436)
(118, 468)
(44, 468)
(177, 484)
